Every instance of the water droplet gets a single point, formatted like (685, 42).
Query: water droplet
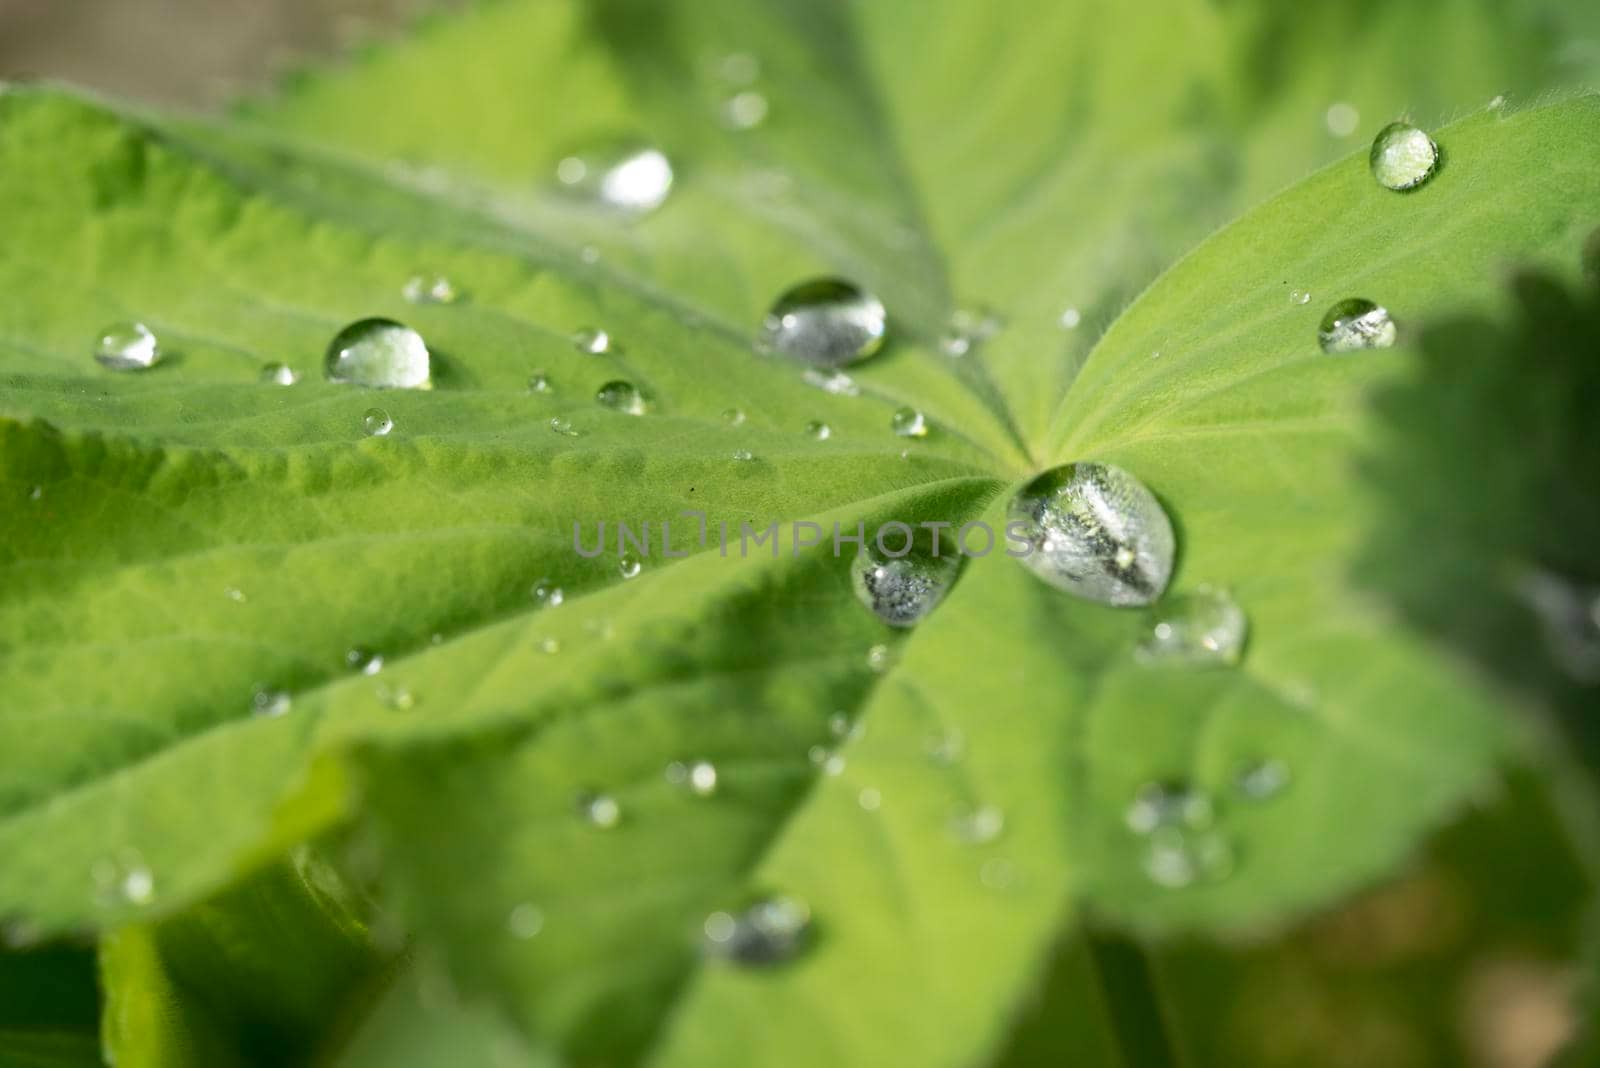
(947, 747)
(1071, 319)
(1342, 119)
(1261, 780)
(629, 565)
(36, 493)
(745, 111)
(1201, 628)
(592, 340)
(1095, 531)
(539, 382)
(880, 659)
(836, 383)
(1355, 324)
(397, 698)
(269, 703)
(819, 430)
(380, 353)
(127, 347)
(1569, 617)
(1169, 804)
(525, 921)
(600, 810)
(733, 417)
(769, 932)
(621, 396)
(547, 593)
(968, 329)
(703, 778)
(623, 176)
(564, 427)
(842, 727)
(1175, 858)
(124, 880)
(1403, 157)
(870, 799)
(376, 422)
(978, 826)
(739, 68)
(550, 646)
(743, 455)
(901, 591)
(828, 322)
(830, 762)
(234, 594)
(279, 374)
(359, 659)
(1497, 103)
(429, 289)
(909, 423)
(1299, 296)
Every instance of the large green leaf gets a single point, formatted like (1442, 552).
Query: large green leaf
(177, 540)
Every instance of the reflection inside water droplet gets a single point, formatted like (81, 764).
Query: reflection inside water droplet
(622, 397)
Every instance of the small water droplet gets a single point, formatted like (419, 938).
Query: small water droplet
(125, 879)
(397, 698)
(978, 826)
(770, 931)
(733, 417)
(622, 397)
(279, 374)
(702, 778)
(36, 493)
(629, 565)
(827, 322)
(1169, 804)
(1299, 296)
(376, 422)
(127, 347)
(589, 255)
(830, 762)
(1403, 157)
(969, 328)
(909, 423)
(525, 921)
(547, 593)
(359, 659)
(1355, 324)
(539, 382)
(947, 747)
(738, 68)
(880, 658)
(234, 594)
(269, 703)
(1497, 103)
(379, 353)
(1342, 119)
(743, 455)
(564, 427)
(429, 289)
(1071, 319)
(1202, 628)
(1176, 858)
(842, 727)
(1095, 531)
(592, 340)
(622, 176)
(816, 428)
(870, 799)
(550, 646)
(836, 383)
(745, 110)
(600, 810)
(901, 591)
(1261, 780)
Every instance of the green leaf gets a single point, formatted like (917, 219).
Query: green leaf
(177, 541)
(49, 1008)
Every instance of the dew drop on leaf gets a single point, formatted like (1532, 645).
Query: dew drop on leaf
(592, 340)
(1341, 119)
(429, 289)
(599, 810)
(379, 353)
(702, 778)
(978, 825)
(127, 347)
(909, 423)
(1071, 319)
(1299, 296)
(279, 374)
(1206, 627)
(827, 322)
(771, 931)
(870, 799)
(743, 455)
(622, 397)
(968, 329)
(376, 422)
(1095, 531)
(1176, 858)
(819, 430)
(834, 383)
(547, 593)
(880, 659)
(564, 427)
(539, 382)
(1403, 156)
(745, 111)
(1261, 780)
(626, 177)
(1169, 804)
(269, 703)
(124, 880)
(525, 921)
(733, 417)
(364, 661)
(629, 565)
(901, 591)
(1355, 324)
(947, 747)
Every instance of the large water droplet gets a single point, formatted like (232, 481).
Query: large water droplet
(901, 591)
(376, 422)
(1200, 628)
(623, 176)
(621, 396)
(380, 353)
(127, 347)
(1355, 324)
(828, 322)
(592, 340)
(430, 289)
(909, 423)
(770, 931)
(600, 810)
(1095, 531)
(1403, 157)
